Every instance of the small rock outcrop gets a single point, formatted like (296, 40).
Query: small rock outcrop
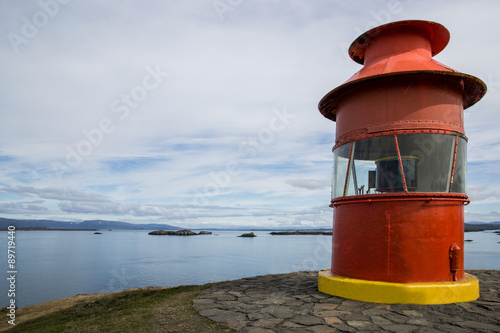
(248, 234)
(205, 232)
(298, 232)
(185, 232)
(97, 233)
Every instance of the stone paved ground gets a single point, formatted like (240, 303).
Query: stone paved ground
(292, 303)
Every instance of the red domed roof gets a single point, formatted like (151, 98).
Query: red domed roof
(401, 48)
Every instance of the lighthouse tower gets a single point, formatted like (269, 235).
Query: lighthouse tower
(399, 173)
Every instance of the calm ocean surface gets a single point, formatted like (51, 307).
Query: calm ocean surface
(58, 264)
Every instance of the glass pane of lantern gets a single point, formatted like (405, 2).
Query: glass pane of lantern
(428, 160)
(351, 177)
(375, 167)
(340, 162)
(410, 171)
(459, 178)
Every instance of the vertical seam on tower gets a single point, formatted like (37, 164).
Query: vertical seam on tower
(388, 219)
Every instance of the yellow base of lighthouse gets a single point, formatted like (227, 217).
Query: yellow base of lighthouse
(465, 290)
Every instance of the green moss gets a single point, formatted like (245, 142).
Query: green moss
(166, 310)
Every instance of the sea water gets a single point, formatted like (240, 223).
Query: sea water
(58, 264)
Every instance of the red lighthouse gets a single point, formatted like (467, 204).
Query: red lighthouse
(399, 174)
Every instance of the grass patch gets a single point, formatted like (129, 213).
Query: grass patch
(139, 310)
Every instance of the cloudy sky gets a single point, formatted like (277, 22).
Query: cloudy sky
(204, 112)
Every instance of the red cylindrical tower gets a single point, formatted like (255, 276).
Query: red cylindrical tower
(400, 169)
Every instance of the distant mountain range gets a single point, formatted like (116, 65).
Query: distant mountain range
(102, 224)
(89, 224)
(479, 226)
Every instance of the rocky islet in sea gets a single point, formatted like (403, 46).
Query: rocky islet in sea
(184, 232)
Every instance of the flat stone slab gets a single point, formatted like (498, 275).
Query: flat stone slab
(292, 303)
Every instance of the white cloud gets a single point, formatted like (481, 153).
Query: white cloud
(492, 216)
(26, 207)
(55, 193)
(309, 184)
